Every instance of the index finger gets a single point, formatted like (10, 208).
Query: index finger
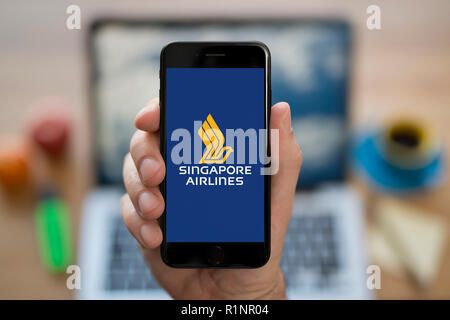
(148, 118)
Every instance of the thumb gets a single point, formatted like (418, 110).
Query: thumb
(288, 159)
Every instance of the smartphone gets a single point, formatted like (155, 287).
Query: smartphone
(215, 99)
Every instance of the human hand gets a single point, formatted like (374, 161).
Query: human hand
(143, 204)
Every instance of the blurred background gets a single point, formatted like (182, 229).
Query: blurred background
(371, 111)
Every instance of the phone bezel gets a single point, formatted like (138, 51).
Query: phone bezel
(217, 55)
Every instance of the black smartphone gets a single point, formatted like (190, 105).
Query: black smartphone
(215, 100)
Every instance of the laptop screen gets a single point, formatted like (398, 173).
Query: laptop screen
(310, 71)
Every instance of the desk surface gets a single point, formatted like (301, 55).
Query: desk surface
(404, 68)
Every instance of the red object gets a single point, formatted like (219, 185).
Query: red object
(51, 133)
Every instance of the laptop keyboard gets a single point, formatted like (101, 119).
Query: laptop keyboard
(310, 256)
(127, 268)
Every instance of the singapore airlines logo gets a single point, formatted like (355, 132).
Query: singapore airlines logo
(214, 141)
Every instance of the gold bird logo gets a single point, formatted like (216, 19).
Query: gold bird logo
(214, 141)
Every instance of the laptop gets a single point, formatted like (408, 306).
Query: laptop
(323, 255)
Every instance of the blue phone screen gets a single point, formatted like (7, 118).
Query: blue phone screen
(214, 185)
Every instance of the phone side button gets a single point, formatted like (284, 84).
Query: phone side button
(215, 255)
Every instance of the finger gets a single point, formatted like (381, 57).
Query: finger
(173, 279)
(148, 202)
(144, 149)
(147, 233)
(284, 182)
(148, 118)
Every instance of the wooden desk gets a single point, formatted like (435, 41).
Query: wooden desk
(404, 68)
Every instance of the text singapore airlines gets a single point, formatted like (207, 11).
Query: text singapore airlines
(213, 175)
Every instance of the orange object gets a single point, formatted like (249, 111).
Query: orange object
(14, 173)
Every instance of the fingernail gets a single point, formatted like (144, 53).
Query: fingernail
(287, 115)
(146, 202)
(147, 235)
(148, 168)
(143, 110)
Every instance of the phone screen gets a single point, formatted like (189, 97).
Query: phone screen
(215, 151)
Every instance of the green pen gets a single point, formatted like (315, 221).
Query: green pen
(53, 232)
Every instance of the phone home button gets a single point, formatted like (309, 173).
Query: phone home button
(215, 255)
